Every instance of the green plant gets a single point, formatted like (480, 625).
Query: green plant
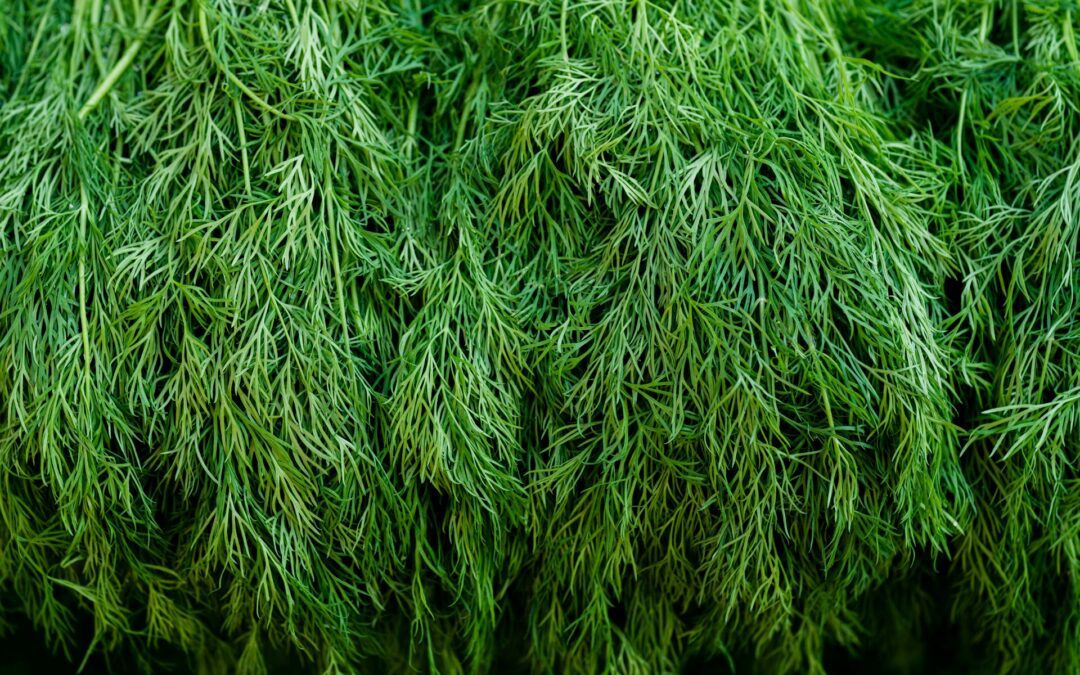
(564, 336)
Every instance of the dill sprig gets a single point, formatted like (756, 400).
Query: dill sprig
(559, 335)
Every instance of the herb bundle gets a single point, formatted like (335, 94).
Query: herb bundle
(546, 335)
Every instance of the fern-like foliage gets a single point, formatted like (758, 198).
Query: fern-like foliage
(548, 335)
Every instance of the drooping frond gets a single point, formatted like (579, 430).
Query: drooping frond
(558, 335)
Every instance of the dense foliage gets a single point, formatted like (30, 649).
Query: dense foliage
(561, 336)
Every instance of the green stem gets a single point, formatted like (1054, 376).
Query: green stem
(1016, 27)
(562, 30)
(960, 133)
(83, 322)
(331, 221)
(122, 65)
(410, 141)
(1070, 39)
(33, 49)
(243, 144)
(984, 23)
(459, 137)
(95, 45)
(205, 32)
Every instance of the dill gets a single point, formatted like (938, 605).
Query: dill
(567, 336)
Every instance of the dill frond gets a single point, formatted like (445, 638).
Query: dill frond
(568, 336)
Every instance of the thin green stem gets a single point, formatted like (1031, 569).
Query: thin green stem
(84, 324)
(242, 139)
(258, 100)
(124, 63)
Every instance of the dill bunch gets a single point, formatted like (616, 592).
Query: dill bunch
(624, 336)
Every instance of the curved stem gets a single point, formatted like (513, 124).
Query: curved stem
(122, 65)
(205, 32)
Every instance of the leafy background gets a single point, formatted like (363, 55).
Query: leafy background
(555, 336)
